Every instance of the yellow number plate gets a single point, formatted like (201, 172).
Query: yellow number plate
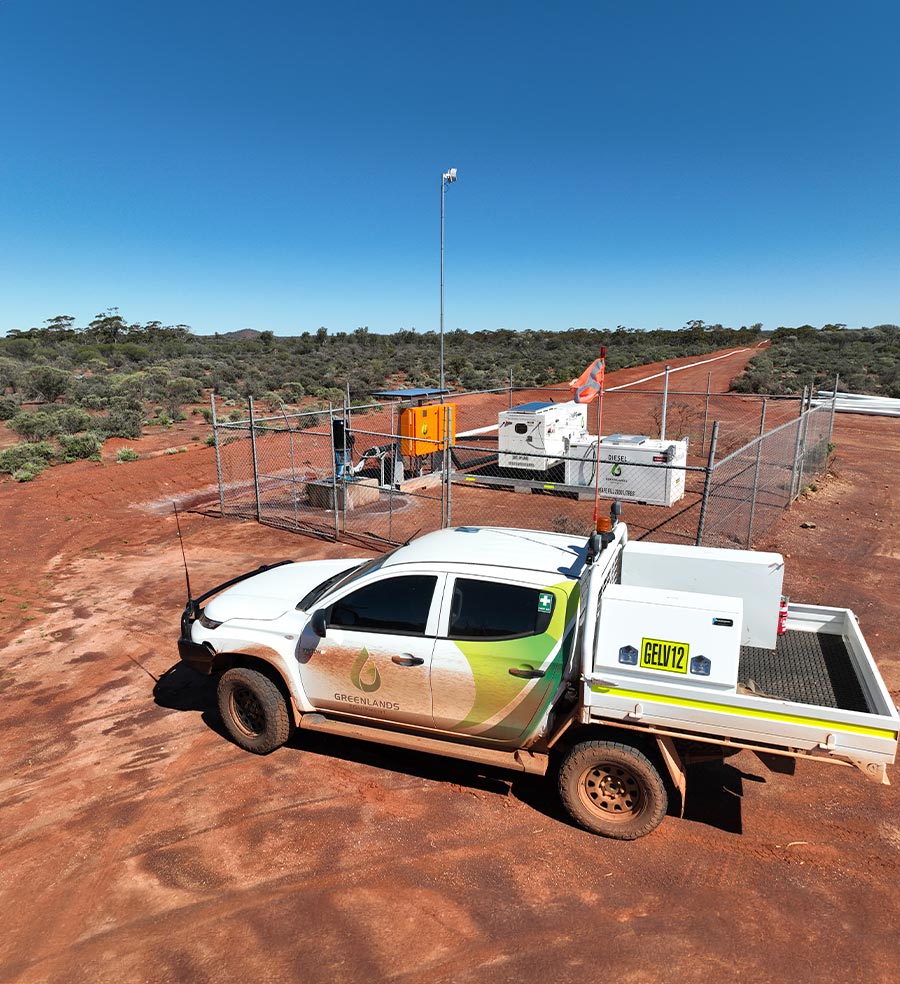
(663, 654)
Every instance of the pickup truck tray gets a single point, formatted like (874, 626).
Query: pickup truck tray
(805, 667)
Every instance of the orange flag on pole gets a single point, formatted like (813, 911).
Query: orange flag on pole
(589, 384)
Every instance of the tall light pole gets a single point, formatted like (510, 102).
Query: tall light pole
(447, 178)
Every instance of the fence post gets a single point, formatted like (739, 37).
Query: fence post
(706, 412)
(290, 431)
(215, 427)
(665, 405)
(837, 377)
(448, 467)
(710, 465)
(255, 460)
(347, 411)
(791, 495)
(334, 499)
(759, 444)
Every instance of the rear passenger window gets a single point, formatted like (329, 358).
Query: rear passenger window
(488, 610)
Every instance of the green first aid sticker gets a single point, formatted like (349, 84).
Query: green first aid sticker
(545, 602)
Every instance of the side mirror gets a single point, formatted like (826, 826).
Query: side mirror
(317, 622)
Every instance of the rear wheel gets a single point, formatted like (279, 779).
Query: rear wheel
(253, 710)
(612, 789)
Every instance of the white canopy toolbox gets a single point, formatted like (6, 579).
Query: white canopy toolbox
(676, 636)
(756, 577)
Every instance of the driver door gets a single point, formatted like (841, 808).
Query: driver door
(375, 659)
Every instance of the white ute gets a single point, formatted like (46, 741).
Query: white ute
(614, 663)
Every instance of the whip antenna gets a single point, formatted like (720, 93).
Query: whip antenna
(187, 577)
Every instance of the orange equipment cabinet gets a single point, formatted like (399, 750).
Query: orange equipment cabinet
(423, 430)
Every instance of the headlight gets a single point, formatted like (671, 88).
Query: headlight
(208, 623)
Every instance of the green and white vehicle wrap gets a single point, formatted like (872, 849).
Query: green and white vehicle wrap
(497, 646)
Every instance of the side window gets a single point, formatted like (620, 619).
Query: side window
(396, 604)
(487, 610)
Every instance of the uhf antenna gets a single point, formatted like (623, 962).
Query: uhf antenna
(187, 576)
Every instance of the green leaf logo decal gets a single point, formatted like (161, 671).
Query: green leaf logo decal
(373, 681)
(617, 470)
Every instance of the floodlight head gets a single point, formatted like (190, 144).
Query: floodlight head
(450, 176)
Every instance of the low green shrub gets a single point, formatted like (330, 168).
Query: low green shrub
(126, 454)
(34, 426)
(93, 401)
(72, 420)
(121, 422)
(10, 406)
(28, 472)
(20, 455)
(78, 446)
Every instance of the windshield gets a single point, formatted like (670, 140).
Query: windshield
(341, 579)
(307, 602)
(367, 568)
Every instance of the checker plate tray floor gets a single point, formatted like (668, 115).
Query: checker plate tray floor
(806, 667)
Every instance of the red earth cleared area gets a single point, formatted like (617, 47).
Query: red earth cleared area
(138, 844)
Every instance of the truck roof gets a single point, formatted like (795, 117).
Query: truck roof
(494, 546)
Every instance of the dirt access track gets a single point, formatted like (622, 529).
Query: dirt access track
(138, 844)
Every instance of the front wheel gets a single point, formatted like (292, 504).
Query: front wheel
(253, 710)
(612, 789)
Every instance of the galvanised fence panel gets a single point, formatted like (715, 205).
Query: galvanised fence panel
(557, 493)
(750, 488)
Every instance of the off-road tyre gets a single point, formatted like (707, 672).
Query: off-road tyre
(612, 789)
(253, 710)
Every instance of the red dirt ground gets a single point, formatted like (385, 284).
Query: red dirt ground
(140, 845)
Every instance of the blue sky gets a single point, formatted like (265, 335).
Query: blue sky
(277, 164)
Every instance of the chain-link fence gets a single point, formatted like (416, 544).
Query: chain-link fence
(725, 470)
(749, 489)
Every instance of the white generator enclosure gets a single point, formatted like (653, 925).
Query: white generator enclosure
(534, 436)
(632, 468)
(756, 577)
(678, 637)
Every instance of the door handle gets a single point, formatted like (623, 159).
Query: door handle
(407, 659)
(526, 672)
